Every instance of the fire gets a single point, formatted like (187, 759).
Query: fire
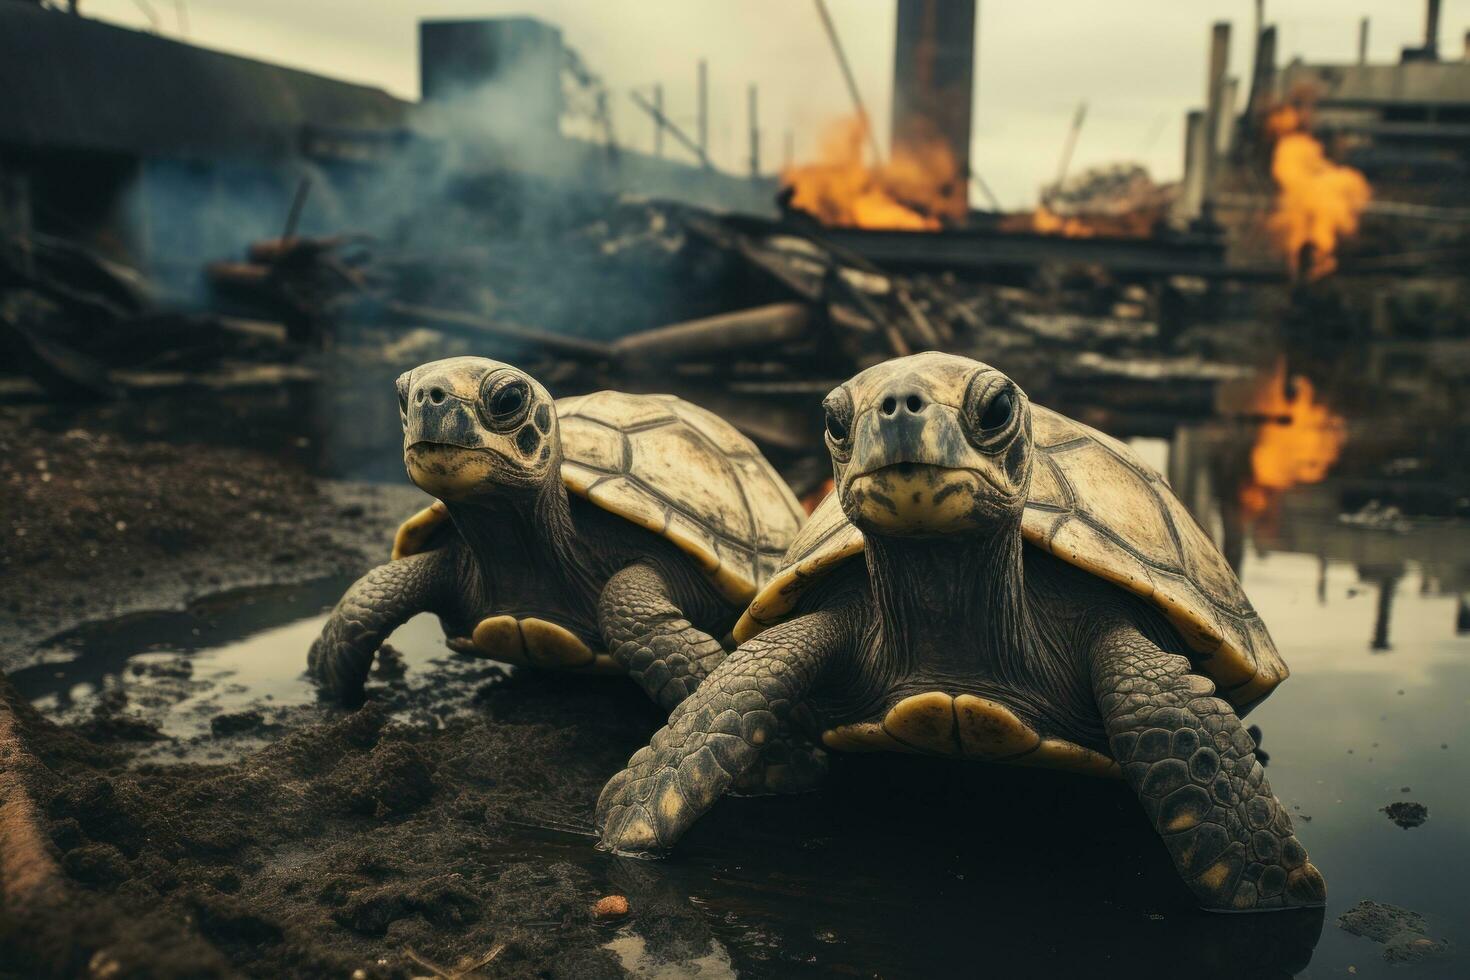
(1045, 221)
(1317, 200)
(1298, 442)
(918, 189)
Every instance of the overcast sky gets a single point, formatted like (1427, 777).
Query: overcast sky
(1140, 64)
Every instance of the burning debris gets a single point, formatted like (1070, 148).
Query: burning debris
(1317, 201)
(1119, 200)
(914, 190)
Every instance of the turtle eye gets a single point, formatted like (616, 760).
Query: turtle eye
(838, 409)
(508, 403)
(998, 412)
(836, 428)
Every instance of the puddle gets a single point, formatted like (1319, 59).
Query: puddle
(208, 671)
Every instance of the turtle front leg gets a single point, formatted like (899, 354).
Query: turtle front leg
(376, 604)
(648, 634)
(717, 734)
(1193, 765)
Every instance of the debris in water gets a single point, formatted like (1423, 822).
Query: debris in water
(1406, 814)
(236, 723)
(1403, 933)
(610, 907)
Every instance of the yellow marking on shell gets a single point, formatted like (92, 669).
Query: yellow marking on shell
(969, 726)
(779, 595)
(865, 736)
(1216, 875)
(924, 721)
(670, 804)
(414, 532)
(990, 730)
(534, 643)
(550, 645)
(499, 638)
(1184, 821)
(615, 496)
(1060, 753)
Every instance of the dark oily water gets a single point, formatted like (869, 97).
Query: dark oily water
(921, 867)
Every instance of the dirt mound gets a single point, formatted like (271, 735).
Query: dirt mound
(354, 845)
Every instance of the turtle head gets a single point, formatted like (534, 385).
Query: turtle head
(476, 429)
(931, 444)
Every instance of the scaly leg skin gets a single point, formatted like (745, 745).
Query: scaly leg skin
(716, 735)
(648, 635)
(375, 605)
(1193, 765)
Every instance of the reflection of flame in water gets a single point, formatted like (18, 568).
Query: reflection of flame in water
(1298, 443)
(918, 189)
(1317, 200)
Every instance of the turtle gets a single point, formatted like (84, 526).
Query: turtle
(992, 580)
(601, 533)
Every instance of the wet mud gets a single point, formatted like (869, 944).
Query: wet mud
(96, 525)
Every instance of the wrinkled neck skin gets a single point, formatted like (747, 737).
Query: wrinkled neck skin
(523, 543)
(951, 607)
(958, 614)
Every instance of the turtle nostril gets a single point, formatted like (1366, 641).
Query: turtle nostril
(889, 406)
(914, 403)
(436, 395)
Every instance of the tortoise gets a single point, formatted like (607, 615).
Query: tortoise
(607, 532)
(990, 579)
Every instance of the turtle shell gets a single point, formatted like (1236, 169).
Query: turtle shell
(1095, 505)
(685, 473)
(673, 468)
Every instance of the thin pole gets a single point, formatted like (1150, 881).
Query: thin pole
(703, 108)
(979, 182)
(852, 89)
(679, 135)
(1071, 144)
(658, 127)
(1363, 41)
(293, 217)
(755, 133)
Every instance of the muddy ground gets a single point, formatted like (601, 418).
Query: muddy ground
(348, 843)
(95, 525)
(444, 830)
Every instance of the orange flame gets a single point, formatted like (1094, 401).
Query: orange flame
(918, 189)
(1045, 221)
(1298, 443)
(1317, 200)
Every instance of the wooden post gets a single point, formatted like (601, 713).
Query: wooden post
(755, 133)
(1263, 77)
(1191, 191)
(1215, 95)
(1431, 30)
(703, 108)
(1363, 41)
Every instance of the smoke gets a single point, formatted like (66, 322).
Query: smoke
(479, 199)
